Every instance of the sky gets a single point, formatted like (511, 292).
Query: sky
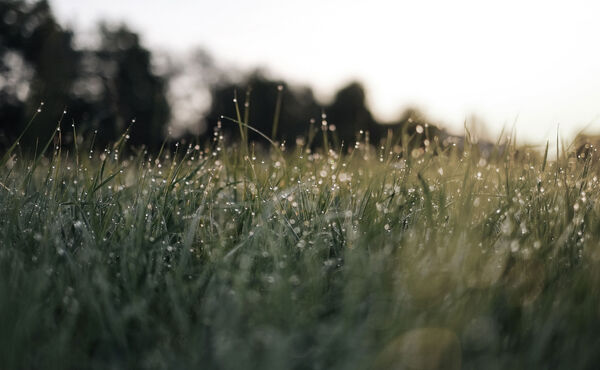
(531, 65)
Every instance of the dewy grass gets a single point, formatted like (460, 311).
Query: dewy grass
(214, 257)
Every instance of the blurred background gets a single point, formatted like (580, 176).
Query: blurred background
(173, 66)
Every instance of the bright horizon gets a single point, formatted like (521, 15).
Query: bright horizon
(535, 62)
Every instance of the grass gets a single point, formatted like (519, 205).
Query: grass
(208, 257)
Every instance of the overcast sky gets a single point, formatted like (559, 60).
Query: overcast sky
(535, 60)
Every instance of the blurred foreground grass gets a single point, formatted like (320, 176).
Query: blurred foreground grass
(218, 257)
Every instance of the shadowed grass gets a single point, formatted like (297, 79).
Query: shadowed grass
(223, 257)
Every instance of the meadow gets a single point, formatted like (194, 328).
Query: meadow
(233, 255)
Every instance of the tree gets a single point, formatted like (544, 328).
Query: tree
(297, 107)
(103, 88)
(350, 114)
(414, 125)
(37, 63)
(126, 88)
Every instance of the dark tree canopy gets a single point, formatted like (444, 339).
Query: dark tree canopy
(117, 85)
(102, 88)
(37, 62)
(107, 86)
(350, 114)
(298, 107)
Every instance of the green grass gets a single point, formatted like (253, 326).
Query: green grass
(205, 257)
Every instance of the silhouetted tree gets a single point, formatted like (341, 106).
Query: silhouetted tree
(297, 107)
(118, 85)
(37, 63)
(418, 131)
(104, 87)
(350, 114)
(107, 86)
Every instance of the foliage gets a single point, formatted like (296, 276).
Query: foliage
(37, 62)
(265, 103)
(350, 114)
(103, 87)
(126, 89)
(106, 85)
(257, 99)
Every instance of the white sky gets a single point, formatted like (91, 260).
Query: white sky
(535, 60)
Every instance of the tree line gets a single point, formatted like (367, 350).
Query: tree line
(104, 87)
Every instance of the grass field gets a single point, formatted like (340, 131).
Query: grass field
(228, 256)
